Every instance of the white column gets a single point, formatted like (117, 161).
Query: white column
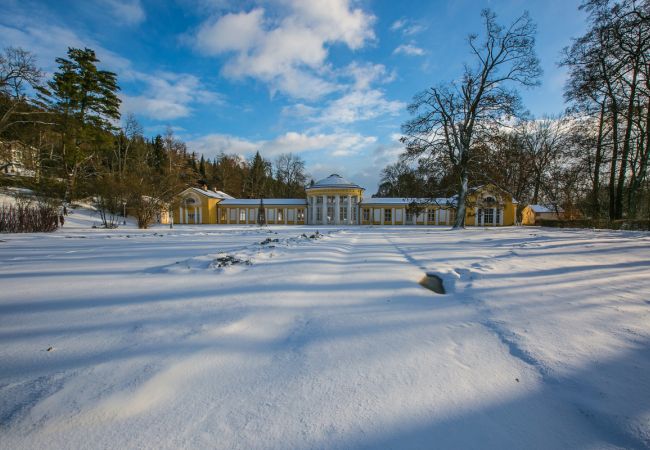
(494, 216)
(324, 208)
(337, 209)
(349, 205)
(313, 209)
(284, 213)
(198, 213)
(180, 214)
(392, 216)
(437, 216)
(476, 216)
(187, 218)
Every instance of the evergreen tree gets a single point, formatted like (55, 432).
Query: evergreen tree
(257, 182)
(85, 101)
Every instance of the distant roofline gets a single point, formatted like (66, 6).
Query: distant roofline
(331, 182)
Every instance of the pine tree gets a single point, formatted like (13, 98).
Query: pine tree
(85, 101)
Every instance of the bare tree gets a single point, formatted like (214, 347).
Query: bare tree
(290, 172)
(18, 73)
(543, 142)
(451, 116)
(608, 73)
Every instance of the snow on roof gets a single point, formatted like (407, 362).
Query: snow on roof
(267, 201)
(212, 194)
(334, 180)
(406, 201)
(545, 209)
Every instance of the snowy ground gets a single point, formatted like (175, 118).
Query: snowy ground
(542, 340)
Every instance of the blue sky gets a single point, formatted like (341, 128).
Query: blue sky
(328, 80)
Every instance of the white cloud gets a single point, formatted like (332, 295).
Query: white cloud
(359, 102)
(129, 12)
(409, 49)
(213, 144)
(49, 41)
(359, 105)
(398, 25)
(231, 32)
(366, 74)
(167, 96)
(288, 52)
(407, 27)
(334, 144)
(299, 110)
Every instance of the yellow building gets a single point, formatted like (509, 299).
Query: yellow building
(490, 206)
(276, 211)
(197, 206)
(337, 201)
(334, 200)
(532, 214)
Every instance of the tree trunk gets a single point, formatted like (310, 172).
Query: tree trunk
(536, 190)
(595, 201)
(612, 168)
(462, 195)
(640, 175)
(626, 145)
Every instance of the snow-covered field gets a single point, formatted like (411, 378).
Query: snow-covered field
(541, 341)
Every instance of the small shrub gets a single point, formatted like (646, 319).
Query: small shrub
(27, 218)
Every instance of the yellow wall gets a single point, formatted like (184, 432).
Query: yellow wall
(207, 206)
(226, 211)
(421, 219)
(509, 208)
(212, 212)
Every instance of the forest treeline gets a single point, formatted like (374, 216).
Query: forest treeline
(592, 161)
(85, 149)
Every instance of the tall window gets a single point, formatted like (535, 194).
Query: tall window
(366, 214)
(388, 215)
(409, 217)
(319, 214)
(488, 216)
(280, 215)
(343, 213)
(431, 216)
(242, 215)
(301, 214)
(498, 217)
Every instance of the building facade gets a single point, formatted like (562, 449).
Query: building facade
(337, 201)
(533, 214)
(19, 160)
